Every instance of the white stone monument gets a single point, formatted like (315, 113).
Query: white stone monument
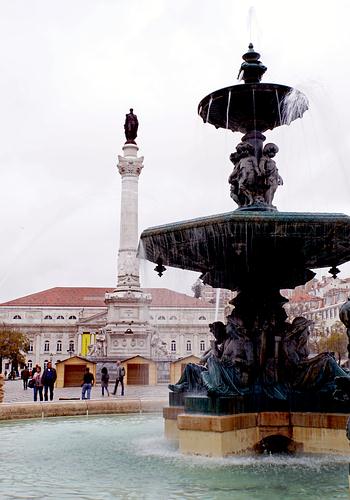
(128, 330)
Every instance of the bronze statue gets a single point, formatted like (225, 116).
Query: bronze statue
(130, 127)
(191, 379)
(245, 175)
(269, 172)
(302, 372)
(344, 316)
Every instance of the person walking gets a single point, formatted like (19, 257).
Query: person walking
(48, 379)
(88, 382)
(25, 376)
(120, 378)
(104, 381)
(38, 385)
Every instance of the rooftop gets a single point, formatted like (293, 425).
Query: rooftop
(94, 297)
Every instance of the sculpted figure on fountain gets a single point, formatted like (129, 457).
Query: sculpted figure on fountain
(250, 361)
(303, 373)
(269, 172)
(253, 182)
(225, 369)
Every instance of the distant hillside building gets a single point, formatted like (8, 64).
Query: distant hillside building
(318, 300)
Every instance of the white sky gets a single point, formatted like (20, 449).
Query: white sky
(70, 70)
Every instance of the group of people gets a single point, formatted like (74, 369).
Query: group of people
(89, 381)
(119, 380)
(43, 383)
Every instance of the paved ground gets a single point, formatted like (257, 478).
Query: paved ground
(14, 392)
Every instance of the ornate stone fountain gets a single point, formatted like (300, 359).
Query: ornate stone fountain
(259, 361)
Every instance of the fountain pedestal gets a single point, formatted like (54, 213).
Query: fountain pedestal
(219, 436)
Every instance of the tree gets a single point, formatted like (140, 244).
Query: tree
(12, 346)
(335, 340)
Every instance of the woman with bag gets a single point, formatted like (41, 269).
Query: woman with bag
(38, 385)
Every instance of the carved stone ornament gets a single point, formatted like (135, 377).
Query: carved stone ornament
(132, 167)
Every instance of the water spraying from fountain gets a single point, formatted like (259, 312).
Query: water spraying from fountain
(293, 106)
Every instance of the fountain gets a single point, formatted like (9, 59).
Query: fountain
(259, 362)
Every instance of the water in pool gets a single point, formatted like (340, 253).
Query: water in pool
(126, 457)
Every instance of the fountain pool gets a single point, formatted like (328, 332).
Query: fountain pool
(126, 457)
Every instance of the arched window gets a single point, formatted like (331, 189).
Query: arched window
(173, 317)
(71, 345)
(48, 316)
(72, 317)
(60, 317)
(30, 364)
(46, 346)
(17, 316)
(30, 348)
(202, 345)
(161, 318)
(188, 345)
(202, 318)
(173, 346)
(59, 346)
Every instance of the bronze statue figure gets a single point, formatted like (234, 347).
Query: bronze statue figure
(130, 127)
(269, 172)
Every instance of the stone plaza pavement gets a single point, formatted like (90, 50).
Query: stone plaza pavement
(14, 392)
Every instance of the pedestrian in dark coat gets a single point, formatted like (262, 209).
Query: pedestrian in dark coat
(48, 379)
(25, 376)
(104, 381)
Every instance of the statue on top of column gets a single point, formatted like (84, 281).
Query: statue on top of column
(130, 127)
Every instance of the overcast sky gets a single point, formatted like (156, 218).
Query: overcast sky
(71, 69)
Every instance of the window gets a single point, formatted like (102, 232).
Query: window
(202, 318)
(202, 345)
(30, 364)
(173, 346)
(162, 318)
(72, 317)
(173, 317)
(30, 348)
(71, 346)
(59, 346)
(188, 346)
(47, 346)
(48, 316)
(60, 317)
(17, 316)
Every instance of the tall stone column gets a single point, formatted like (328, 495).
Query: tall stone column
(127, 327)
(129, 167)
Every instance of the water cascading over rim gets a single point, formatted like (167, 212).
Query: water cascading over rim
(252, 107)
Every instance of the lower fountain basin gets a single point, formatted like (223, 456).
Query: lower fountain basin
(127, 457)
(234, 248)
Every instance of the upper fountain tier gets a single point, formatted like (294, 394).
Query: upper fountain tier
(252, 106)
